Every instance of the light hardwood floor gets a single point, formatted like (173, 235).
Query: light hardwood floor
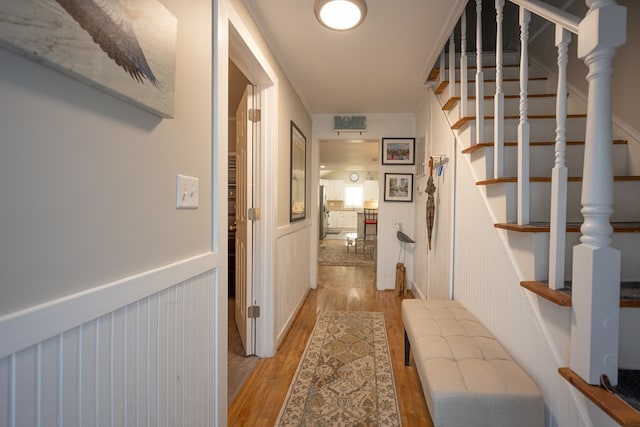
(340, 288)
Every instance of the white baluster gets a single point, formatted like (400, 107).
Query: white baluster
(523, 126)
(559, 174)
(479, 76)
(498, 100)
(464, 91)
(452, 66)
(596, 272)
(442, 66)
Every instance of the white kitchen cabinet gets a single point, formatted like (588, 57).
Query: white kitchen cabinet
(343, 219)
(370, 191)
(335, 189)
(350, 219)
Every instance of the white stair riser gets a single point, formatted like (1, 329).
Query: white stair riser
(533, 86)
(541, 130)
(511, 107)
(543, 159)
(488, 59)
(625, 208)
(508, 72)
(626, 243)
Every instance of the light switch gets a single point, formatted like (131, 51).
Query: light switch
(187, 192)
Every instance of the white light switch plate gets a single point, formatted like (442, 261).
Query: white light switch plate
(187, 192)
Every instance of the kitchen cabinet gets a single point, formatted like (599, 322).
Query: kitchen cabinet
(343, 219)
(334, 188)
(370, 191)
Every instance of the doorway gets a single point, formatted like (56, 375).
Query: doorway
(241, 360)
(348, 185)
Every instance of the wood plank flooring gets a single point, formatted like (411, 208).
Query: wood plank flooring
(340, 289)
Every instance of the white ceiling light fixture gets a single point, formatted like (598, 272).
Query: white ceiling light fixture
(340, 15)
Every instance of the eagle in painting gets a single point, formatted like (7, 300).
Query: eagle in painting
(107, 23)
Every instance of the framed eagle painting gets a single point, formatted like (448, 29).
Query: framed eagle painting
(123, 47)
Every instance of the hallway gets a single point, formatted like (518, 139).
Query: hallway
(339, 288)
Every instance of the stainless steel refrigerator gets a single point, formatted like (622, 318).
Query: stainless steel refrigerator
(323, 212)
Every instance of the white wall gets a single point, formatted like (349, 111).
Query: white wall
(432, 277)
(95, 259)
(88, 181)
(389, 213)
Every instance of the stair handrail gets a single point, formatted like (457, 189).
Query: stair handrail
(551, 13)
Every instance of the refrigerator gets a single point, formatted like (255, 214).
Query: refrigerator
(323, 213)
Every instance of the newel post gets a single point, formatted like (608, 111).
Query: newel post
(596, 272)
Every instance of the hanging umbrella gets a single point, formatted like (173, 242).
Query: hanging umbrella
(431, 204)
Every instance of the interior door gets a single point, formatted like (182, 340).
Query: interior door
(243, 225)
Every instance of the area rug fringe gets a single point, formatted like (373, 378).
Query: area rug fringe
(345, 376)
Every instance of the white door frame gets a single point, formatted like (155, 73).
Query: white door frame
(233, 40)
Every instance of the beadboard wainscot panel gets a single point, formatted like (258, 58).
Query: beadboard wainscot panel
(293, 274)
(150, 361)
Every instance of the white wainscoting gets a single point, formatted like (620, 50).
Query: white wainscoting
(151, 362)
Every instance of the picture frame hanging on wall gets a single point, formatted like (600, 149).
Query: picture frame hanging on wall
(398, 187)
(126, 48)
(298, 172)
(398, 151)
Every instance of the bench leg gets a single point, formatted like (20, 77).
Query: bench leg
(407, 349)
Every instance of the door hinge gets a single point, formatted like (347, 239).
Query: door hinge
(253, 312)
(254, 115)
(253, 214)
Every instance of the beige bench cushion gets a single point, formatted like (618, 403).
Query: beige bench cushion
(467, 377)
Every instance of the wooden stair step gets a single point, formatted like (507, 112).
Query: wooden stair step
(622, 178)
(455, 99)
(623, 413)
(572, 227)
(629, 293)
(483, 145)
(443, 84)
(464, 120)
(435, 73)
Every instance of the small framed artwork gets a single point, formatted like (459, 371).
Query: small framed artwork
(398, 187)
(398, 151)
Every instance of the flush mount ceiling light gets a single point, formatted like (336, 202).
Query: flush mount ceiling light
(340, 15)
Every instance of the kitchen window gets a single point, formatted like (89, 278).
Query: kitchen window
(353, 195)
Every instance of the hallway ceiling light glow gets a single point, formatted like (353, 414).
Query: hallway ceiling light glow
(340, 15)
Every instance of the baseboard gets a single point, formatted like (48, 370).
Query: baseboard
(24, 328)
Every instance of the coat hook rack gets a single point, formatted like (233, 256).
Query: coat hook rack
(435, 161)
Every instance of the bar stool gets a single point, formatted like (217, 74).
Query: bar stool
(370, 218)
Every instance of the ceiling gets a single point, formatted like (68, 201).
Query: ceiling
(379, 67)
(351, 155)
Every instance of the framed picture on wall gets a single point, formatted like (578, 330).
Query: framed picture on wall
(298, 172)
(398, 187)
(398, 151)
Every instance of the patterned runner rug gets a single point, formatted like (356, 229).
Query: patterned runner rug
(334, 252)
(345, 376)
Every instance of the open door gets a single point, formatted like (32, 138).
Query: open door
(244, 235)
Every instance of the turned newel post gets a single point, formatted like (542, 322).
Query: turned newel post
(596, 273)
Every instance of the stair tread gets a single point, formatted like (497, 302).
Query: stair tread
(464, 120)
(505, 179)
(572, 227)
(613, 404)
(629, 292)
(476, 147)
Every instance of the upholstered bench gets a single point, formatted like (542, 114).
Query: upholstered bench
(467, 376)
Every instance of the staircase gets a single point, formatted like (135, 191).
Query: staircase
(526, 167)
